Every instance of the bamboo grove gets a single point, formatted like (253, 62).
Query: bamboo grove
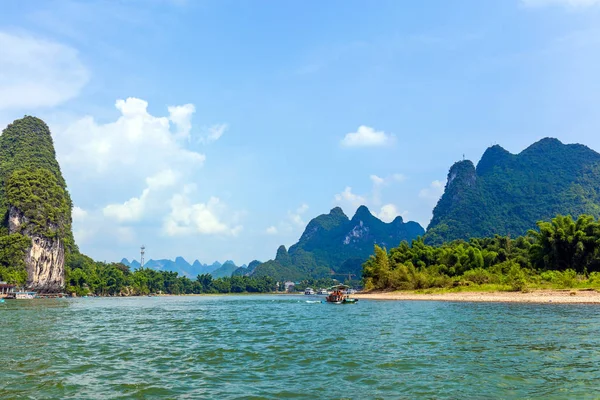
(562, 253)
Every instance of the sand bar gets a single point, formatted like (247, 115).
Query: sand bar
(535, 296)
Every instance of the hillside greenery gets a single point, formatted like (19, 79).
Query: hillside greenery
(32, 183)
(562, 253)
(333, 246)
(44, 203)
(85, 276)
(507, 194)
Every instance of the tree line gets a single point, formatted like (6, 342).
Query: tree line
(562, 253)
(84, 276)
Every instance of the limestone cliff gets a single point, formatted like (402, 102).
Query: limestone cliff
(44, 258)
(35, 207)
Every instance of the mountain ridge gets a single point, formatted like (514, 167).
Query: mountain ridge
(184, 268)
(508, 193)
(332, 243)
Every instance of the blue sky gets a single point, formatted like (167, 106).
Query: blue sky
(216, 130)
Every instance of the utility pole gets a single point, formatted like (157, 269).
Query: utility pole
(143, 250)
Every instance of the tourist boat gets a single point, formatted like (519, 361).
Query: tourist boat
(323, 292)
(309, 291)
(7, 291)
(339, 296)
(25, 295)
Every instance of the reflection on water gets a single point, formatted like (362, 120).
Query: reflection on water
(282, 346)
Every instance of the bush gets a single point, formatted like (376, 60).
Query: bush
(516, 278)
(478, 276)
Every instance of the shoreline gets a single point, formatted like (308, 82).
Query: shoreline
(535, 296)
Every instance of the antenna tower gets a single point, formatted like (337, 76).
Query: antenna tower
(143, 250)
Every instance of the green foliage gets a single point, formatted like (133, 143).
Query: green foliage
(87, 277)
(516, 277)
(31, 182)
(507, 194)
(559, 255)
(12, 258)
(44, 203)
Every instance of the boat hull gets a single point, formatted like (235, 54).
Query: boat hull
(345, 301)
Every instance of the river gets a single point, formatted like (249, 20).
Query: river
(277, 347)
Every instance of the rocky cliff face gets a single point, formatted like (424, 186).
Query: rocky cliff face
(35, 208)
(45, 258)
(332, 243)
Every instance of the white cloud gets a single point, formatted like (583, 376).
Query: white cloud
(296, 217)
(78, 214)
(302, 209)
(566, 3)
(199, 218)
(349, 198)
(272, 230)
(350, 201)
(130, 211)
(378, 183)
(38, 72)
(133, 209)
(433, 192)
(389, 212)
(163, 179)
(366, 137)
(377, 180)
(214, 133)
(137, 144)
(181, 116)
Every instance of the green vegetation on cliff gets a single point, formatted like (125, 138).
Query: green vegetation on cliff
(333, 245)
(562, 253)
(508, 193)
(42, 200)
(31, 184)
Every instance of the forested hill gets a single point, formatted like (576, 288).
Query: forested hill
(508, 193)
(35, 232)
(333, 244)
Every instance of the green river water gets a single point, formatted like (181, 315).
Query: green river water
(276, 347)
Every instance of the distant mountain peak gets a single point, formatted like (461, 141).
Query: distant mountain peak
(333, 243)
(462, 173)
(494, 156)
(337, 211)
(508, 193)
(398, 220)
(546, 142)
(362, 212)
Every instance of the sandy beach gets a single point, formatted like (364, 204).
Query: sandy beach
(535, 296)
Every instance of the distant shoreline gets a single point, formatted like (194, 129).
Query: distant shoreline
(535, 296)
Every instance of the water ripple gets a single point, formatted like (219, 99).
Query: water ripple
(273, 347)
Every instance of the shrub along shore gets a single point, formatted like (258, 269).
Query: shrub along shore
(562, 254)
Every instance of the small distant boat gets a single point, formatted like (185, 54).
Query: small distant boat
(25, 295)
(339, 295)
(323, 292)
(309, 291)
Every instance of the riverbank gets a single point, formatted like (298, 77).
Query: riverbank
(535, 296)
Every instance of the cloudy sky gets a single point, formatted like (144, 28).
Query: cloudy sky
(216, 130)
